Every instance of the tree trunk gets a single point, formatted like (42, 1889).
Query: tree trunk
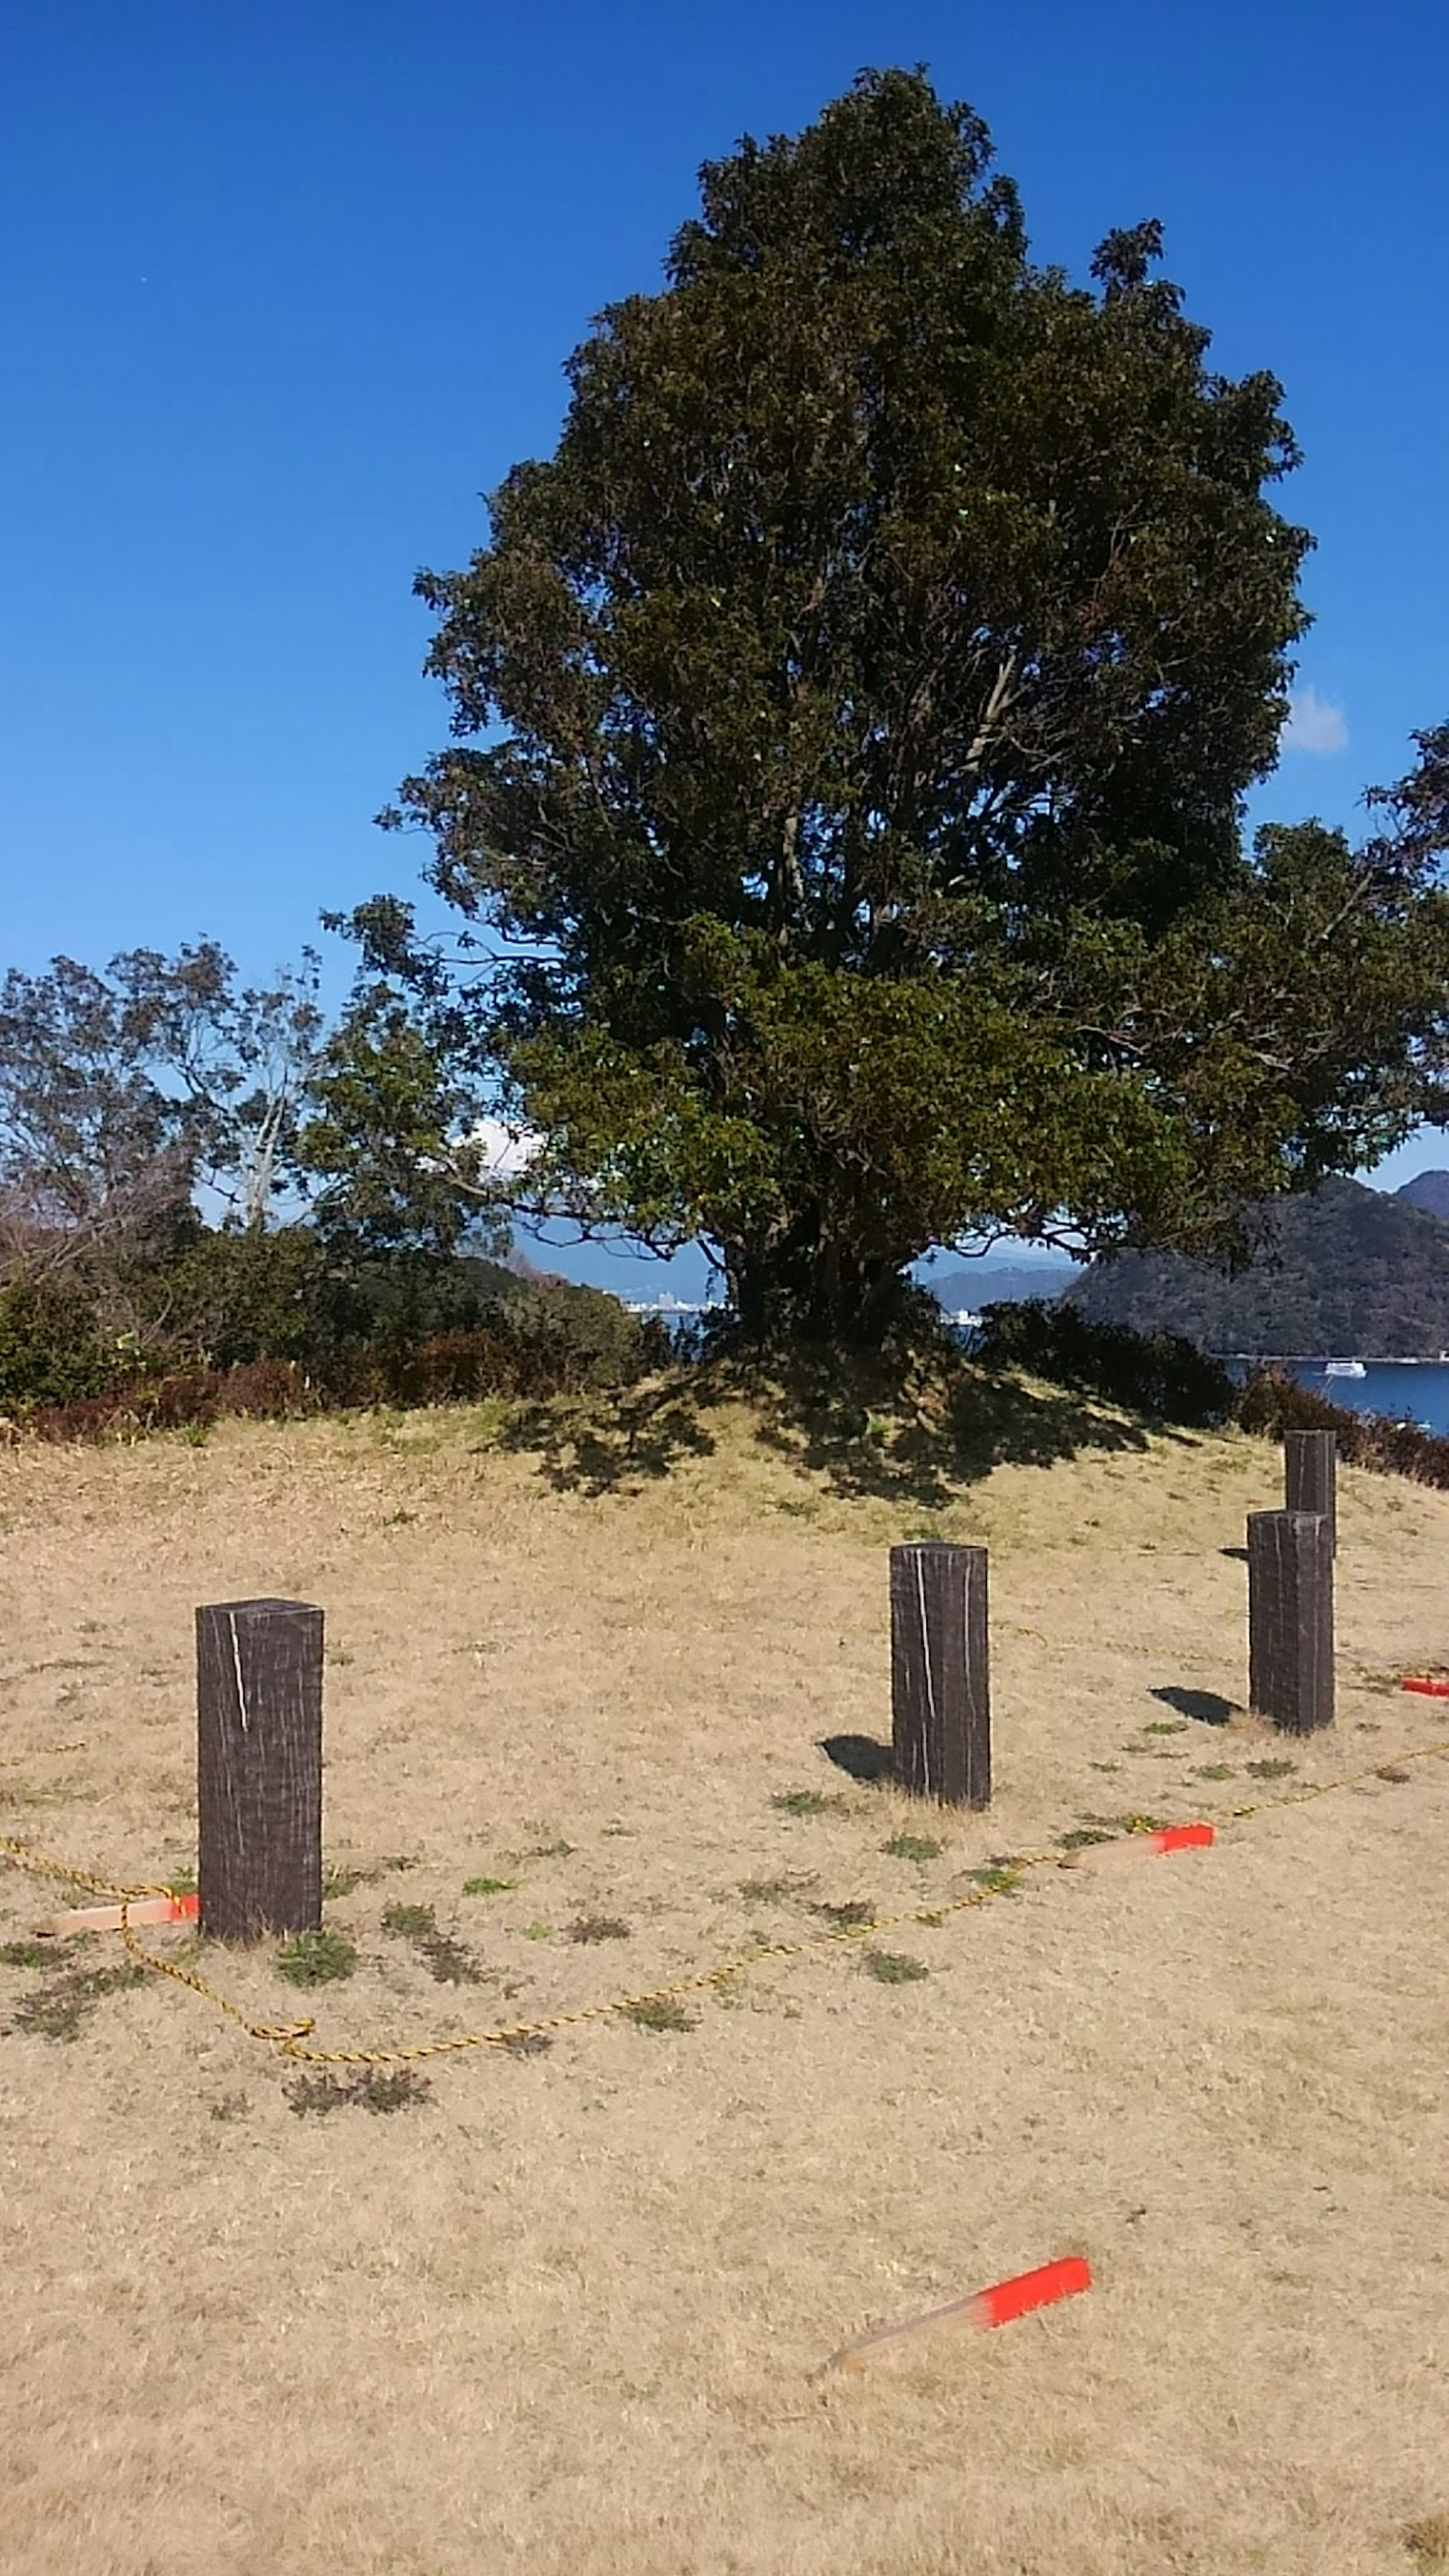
(804, 1290)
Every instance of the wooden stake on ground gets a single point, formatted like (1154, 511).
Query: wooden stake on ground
(1310, 1475)
(1290, 1619)
(259, 1767)
(940, 1674)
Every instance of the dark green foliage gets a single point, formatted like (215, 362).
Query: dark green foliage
(597, 1927)
(317, 1958)
(1158, 1374)
(658, 2012)
(371, 2088)
(917, 1847)
(1272, 1403)
(52, 1347)
(444, 1957)
(851, 726)
(893, 1968)
(406, 1331)
(60, 2010)
(1345, 1269)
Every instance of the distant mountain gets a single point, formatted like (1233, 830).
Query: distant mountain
(1429, 1191)
(1001, 1283)
(1346, 1270)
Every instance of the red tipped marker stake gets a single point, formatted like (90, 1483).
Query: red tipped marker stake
(997, 2306)
(1431, 1689)
(107, 1918)
(1126, 1848)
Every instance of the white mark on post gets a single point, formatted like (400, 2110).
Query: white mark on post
(930, 1726)
(241, 1697)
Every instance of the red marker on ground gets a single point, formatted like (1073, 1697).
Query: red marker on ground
(997, 2306)
(107, 1918)
(1126, 1848)
(1430, 1688)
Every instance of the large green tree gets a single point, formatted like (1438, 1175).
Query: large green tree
(851, 727)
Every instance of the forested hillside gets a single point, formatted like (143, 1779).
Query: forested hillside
(1348, 1269)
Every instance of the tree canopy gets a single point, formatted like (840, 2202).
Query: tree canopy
(851, 726)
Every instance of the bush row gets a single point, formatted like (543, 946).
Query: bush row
(1157, 1374)
(448, 1368)
(1272, 1403)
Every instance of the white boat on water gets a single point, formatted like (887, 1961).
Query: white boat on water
(1344, 1368)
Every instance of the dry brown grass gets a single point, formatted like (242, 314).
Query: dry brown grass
(559, 2311)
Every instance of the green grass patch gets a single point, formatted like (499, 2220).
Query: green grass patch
(893, 1968)
(488, 1886)
(373, 2088)
(60, 2011)
(409, 1922)
(1270, 1770)
(444, 1957)
(316, 1958)
(658, 2012)
(802, 1802)
(913, 1847)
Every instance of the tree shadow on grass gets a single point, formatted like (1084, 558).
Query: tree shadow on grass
(861, 1757)
(1209, 1708)
(908, 1428)
(613, 1440)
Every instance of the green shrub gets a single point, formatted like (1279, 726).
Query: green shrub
(52, 1348)
(1273, 1402)
(1157, 1374)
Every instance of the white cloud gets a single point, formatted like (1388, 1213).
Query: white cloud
(1314, 724)
(507, 1151)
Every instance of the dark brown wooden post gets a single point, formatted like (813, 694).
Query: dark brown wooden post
(940, 1673)
(259, 1767)
(1310, 1474)
(1290, 1619)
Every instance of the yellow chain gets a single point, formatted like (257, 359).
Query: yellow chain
(290, 2038)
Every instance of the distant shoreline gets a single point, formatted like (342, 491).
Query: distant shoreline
(1316, 1359)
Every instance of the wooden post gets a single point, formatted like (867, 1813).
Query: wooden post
(259, 1767)
(1290, 1619)
(1310, 1475)
(940, 1673)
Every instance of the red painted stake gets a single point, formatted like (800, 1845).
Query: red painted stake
(997, 2306)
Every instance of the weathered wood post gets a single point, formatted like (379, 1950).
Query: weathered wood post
(1290, 1619)
(940, 1673)
(259, 1767)
(1310, 1475)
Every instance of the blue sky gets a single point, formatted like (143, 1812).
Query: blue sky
(286, 287)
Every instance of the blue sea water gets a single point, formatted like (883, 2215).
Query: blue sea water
(1406, 1390)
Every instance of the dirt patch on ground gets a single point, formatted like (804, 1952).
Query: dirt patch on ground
(559, 2306)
